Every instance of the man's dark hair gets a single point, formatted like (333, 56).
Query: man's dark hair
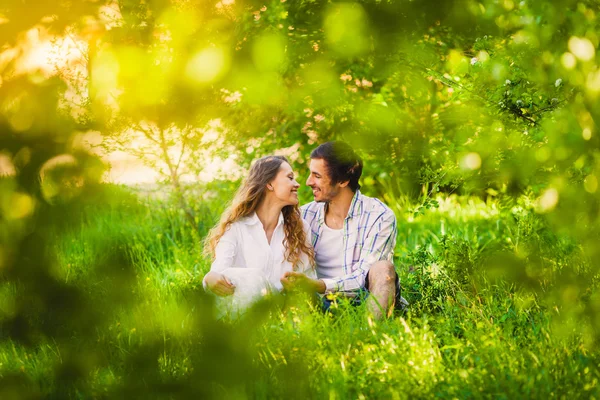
(343, 164)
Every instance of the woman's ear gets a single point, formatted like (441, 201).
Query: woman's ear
(270, 187)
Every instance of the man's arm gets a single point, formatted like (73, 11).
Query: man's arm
(378, 245)
(297, 280)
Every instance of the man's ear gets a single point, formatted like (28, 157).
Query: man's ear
(344, 184)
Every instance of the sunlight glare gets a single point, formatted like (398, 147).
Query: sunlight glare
(47, 53)
(110, 15)
(128, 170)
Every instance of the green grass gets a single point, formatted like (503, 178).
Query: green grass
(500, 307)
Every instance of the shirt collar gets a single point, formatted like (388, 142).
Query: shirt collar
(355, 205)
(252, 219)
(354, 211)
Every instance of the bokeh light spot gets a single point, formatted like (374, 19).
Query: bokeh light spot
(268, 52)
(471, 161)
(582, 48)
(457, 63)
(105, 71)
(20, 206)
(593, 82)
(547, 201)
(346, 29)
(568, 60)
(483, 56)
(587, 133)
(590, 184)
(207, 65)
(60, 178)
(542, 154)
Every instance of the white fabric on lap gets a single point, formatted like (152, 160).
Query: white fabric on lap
(251, 284)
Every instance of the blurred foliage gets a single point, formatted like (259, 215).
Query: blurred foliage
(493, 99)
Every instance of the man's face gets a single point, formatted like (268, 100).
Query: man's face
(320, 182)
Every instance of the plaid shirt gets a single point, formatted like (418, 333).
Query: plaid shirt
(369, 236)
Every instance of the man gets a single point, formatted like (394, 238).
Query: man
(353, 235)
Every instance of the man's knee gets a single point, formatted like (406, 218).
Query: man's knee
(382, 271)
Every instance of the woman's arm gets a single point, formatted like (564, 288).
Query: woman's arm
(225, 253)
(218, 284)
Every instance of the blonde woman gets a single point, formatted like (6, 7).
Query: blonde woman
(261, 236)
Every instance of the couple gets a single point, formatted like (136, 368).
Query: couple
(264, 239)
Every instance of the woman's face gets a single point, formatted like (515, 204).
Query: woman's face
(285, 187)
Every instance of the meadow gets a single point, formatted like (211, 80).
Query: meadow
(478, 124)
(490, 313)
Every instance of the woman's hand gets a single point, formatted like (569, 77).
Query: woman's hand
(219, 284)
(297, 281)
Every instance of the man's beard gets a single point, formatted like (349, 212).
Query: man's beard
(331, 193)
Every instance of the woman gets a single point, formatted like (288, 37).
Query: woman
(261, 234)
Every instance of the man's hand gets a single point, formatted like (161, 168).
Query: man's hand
(219, 284)
(297, 281)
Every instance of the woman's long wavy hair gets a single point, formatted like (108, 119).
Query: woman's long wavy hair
(247, 199)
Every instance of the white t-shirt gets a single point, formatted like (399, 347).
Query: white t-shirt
(330, 253)
(245, 245)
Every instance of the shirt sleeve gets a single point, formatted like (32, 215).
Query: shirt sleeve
(378, 245)
(225, 253)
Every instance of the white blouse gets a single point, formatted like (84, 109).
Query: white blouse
(245, 245)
